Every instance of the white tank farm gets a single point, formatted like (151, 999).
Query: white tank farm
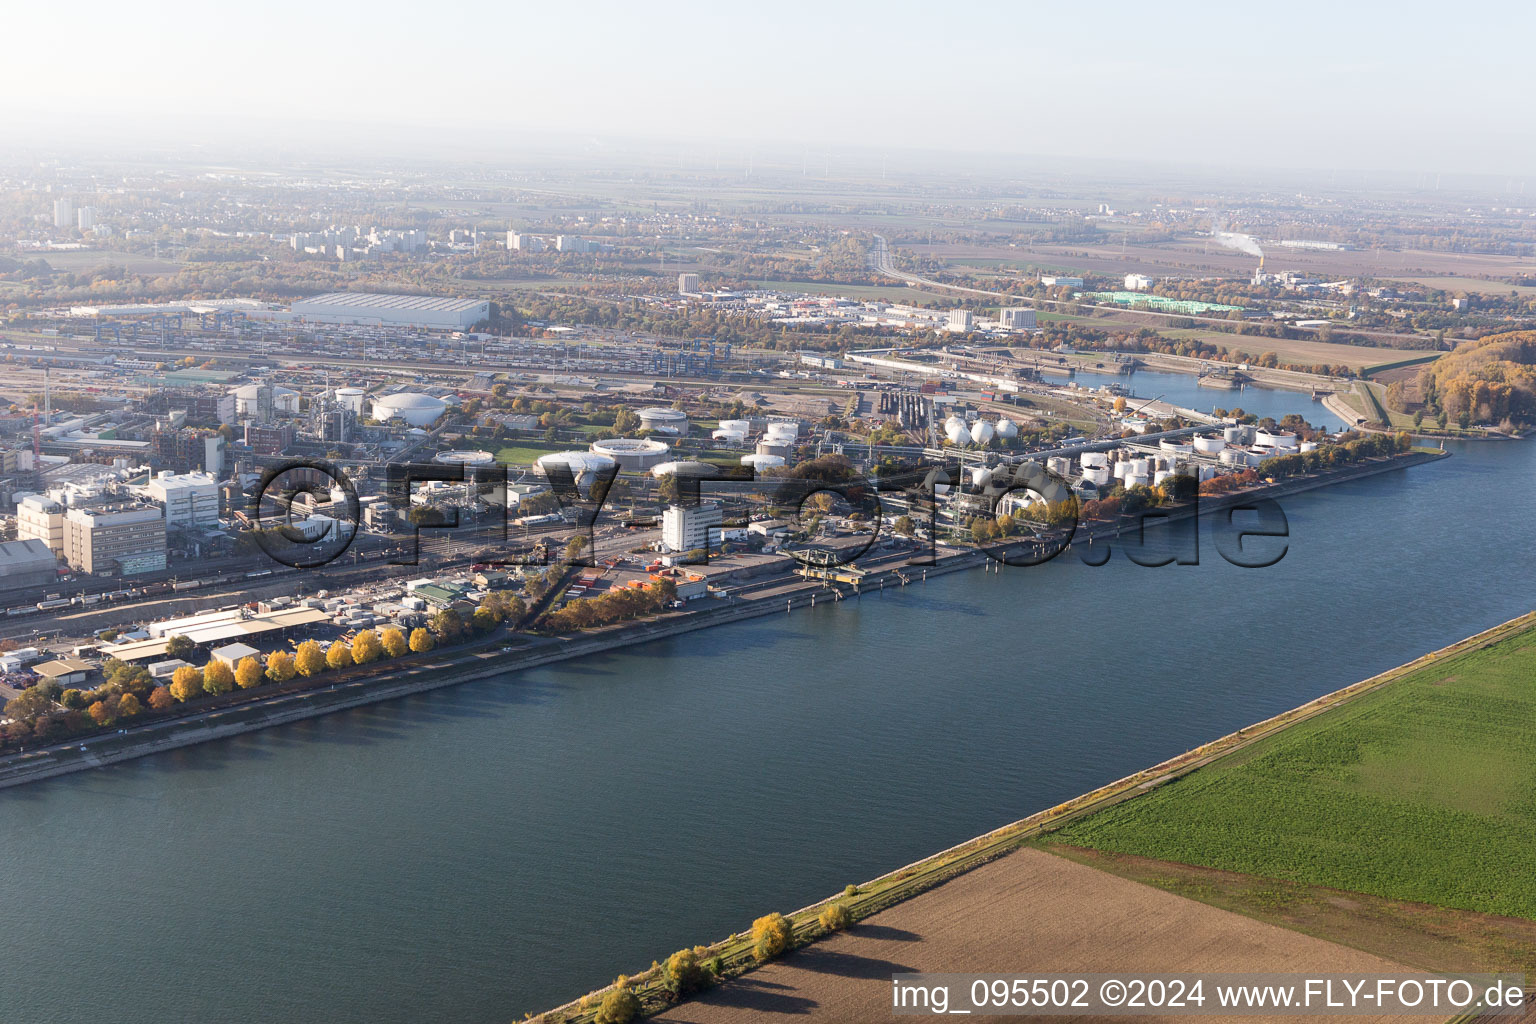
(1174, 447)
(982, 431)
(1308, 446)
(729, 436)
(1141, 467)
(1209, 445)
(781, 431)
(1006, 428)
(980, 475)
(1096, 475)
(1137, 480)
(956, 430)
(1207, 473)
(736, 426)
(351, 398)
(1094, 460)
(761, 461)
(1121, 470)
(1059, 464)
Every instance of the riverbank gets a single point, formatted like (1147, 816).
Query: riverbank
(733, 955)
(487, 659)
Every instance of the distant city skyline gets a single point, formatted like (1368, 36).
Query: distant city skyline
(1310, 85)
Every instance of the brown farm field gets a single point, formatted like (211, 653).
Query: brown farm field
(1028, 912)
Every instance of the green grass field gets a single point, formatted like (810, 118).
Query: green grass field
(526, 452)
(1423, 790)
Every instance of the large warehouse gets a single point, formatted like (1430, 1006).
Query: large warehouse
(27, 563)
(394, 310)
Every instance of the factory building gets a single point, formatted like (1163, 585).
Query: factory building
(687, 284)
(426, 311)
(26, 563)
(40, 518)
(123, 539)
(1137, 282)
(1017, 318)
(686, 527)
(960, 321)
(190, 500)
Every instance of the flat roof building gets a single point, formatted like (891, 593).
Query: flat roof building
(27, 563)
(190, 500)
(394, 310)
(121, 539)
(687, 527)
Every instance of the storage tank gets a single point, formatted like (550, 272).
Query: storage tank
(1096, 475)
(1137, 480)
(1308, 446)
(416, 409)
(1121, 470)
(956, 430)
(1207, 473)
(729, 436)
(1275, 438)
(1161, 475)
(980, 475)
(736, 426)
(584, 467)
(1233, 457)
(982, 431)
(1094, 460)
(778, 449)
(285, 401)
(758, 462)
(781, 431)
(351, 398)
(665, 421)
(1006, 428)
(1174, 447)
(1209, 445)
(1141, 467)
(1232, 435)
(683, 468)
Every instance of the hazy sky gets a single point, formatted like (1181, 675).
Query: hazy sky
(1407, 86)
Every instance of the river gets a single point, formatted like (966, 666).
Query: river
(476, 852)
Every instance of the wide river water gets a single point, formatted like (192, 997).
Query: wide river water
(497, 847)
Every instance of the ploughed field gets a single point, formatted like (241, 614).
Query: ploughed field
(1026, 913)
(1423, 790)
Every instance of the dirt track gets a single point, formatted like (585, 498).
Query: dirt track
(1028, 912)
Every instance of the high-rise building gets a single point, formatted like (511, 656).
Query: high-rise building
(85, 217)
(686, 527)
(64, 213)
(960, 320)
(687, 284)
(124, 539)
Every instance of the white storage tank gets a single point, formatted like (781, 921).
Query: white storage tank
(1175, 447)
(782, 431)
(956, 430)
(1207, 473)
(1278, 439)
(980, 475)
(778, 448)
(1309, 446)
(1096, 475)
(1094, 460)
(1141, 467)
(1059, 464)
(665, 421)
(982, 431)
(351, 398)
(736, 426)
(729, 436)
(761, 461)
(415, 409)
(1209, 445)
(1137, 480)
(1121, 470)
(584, 467)
(1006, 428)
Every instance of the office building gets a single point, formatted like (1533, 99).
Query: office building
(686, 527)
(123, 540)
(85, 218)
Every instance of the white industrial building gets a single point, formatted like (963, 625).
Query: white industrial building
(686, 527)
(1137, 283)
(960, 321)
(687, 284)
(190, 500)
(1017, 318)
(394, 310)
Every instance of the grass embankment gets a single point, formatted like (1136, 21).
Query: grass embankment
(1422, 791)
(735, 955)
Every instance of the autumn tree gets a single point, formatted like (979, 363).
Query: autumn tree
(394, 642)
(339, 656)
(619, 1006)
(160, 698)
(309, 659)
(186, 683)
(248, 673)
(128, 705)
(770, 936)
(101, 712)
(218, 677)
(834, 917)
(422, 640)
(366, 647)
(447, 624)
(179, 646)
(684, 975)
(280, 666)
